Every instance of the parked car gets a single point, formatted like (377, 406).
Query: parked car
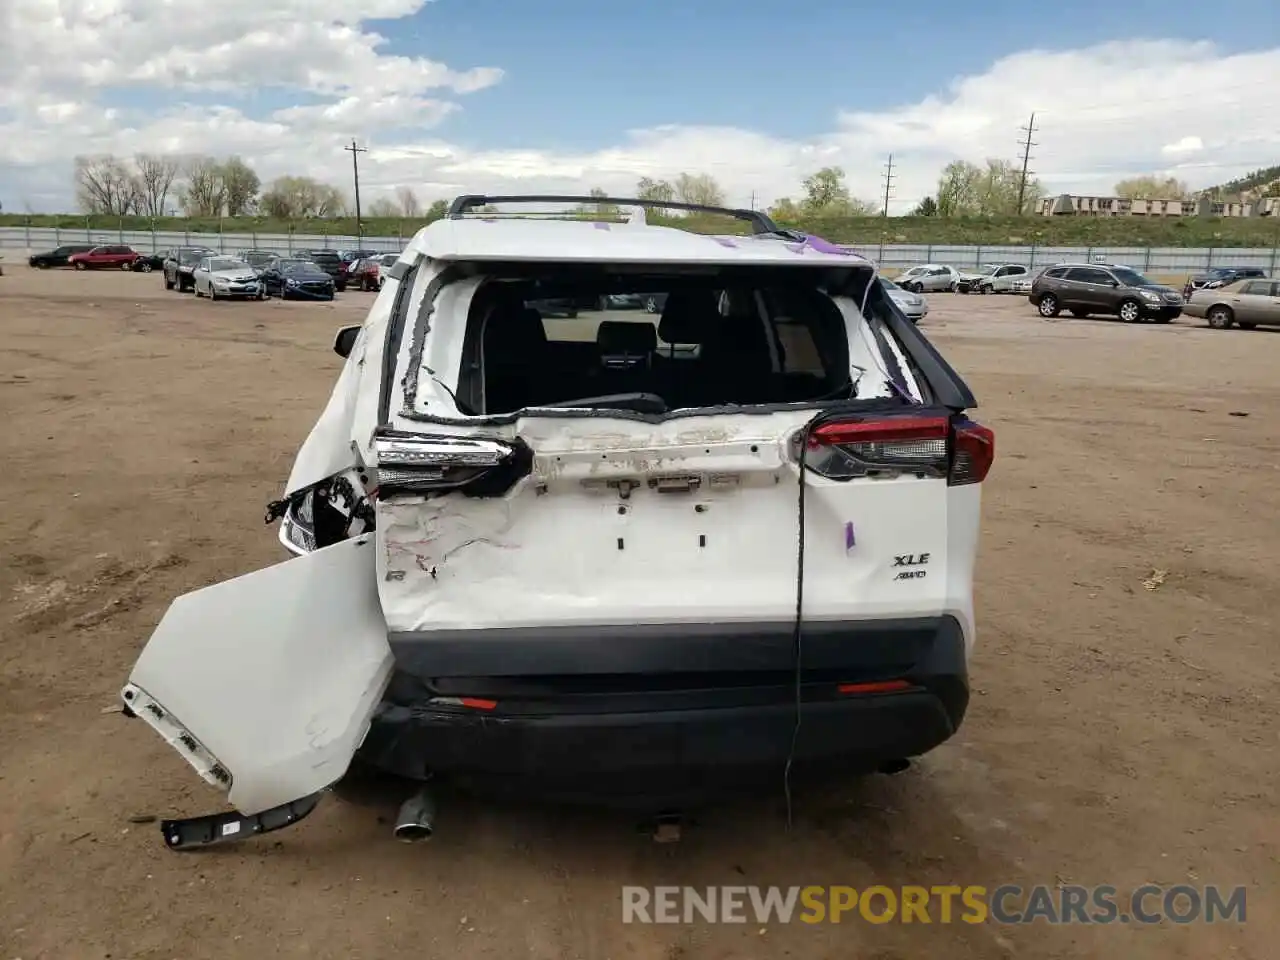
(488, 449)
(115, 256)
(913, 305)
(1021, 285)
(329, 262)
(148, 262)
(1245, 303)
(226, 277)
(291, 278)
(1220, 277)
(1107, 289)
(257, 259)
(930, 277)
(351, 256)
(59, 257)
(180, 264)
(993, 278)
(385, 262)
(365, 274)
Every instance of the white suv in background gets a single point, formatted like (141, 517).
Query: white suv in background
(930, 278)
(617, 556)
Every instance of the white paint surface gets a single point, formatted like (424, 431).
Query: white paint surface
(275, 673)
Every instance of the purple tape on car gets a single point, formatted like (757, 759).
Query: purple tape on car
(825, 246)
(601, 226)
(725, 242)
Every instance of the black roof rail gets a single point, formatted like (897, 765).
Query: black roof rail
(760, 222)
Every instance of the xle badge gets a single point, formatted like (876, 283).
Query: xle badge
(911, 560)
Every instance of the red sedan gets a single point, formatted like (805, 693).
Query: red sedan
(365, 274)
(118, 257)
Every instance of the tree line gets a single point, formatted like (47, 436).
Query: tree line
(157, 185)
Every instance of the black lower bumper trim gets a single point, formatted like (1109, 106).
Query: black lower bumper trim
(217, 828)
(675, 711)
(852, 646)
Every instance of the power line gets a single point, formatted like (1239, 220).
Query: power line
(888, 184)
(1027, 144)
(355, 152)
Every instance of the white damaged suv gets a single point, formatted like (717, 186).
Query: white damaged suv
(596, 552)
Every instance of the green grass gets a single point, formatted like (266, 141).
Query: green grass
(963, 231)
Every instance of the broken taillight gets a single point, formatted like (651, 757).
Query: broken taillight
(419, 464)
(973, 452)
(929, 446)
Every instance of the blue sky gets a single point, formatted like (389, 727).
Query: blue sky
(497, 95)
(581, 72)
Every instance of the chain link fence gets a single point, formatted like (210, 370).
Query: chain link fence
(18, 242)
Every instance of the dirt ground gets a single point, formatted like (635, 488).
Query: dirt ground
(1117, 734)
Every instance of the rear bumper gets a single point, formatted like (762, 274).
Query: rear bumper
(666, 715)
(297, 293)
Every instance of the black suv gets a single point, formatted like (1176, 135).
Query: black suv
(329, 262)
(1220, 277)
(179, 265)
(59, 257)
(1103, 288)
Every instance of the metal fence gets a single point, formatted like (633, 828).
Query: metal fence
(18, 241)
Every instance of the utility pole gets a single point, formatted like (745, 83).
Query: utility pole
(888, 185)
(1027, 144)
(355, 172)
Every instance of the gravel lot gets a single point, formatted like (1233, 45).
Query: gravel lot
(1117, 734)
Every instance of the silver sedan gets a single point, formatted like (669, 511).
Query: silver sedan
(226, 277)
(913, 305)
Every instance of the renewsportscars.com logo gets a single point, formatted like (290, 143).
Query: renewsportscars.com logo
(1006, 904)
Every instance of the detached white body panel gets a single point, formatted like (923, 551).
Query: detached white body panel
(273, 675)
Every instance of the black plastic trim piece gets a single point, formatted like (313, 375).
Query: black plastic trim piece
(395, 333)
(835, 407)
(685, 648)
(218, 828)
(760, 222)
(949, 388)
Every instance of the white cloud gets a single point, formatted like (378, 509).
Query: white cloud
(1184, 146)
(1102, 113)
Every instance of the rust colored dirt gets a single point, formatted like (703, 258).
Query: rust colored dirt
(1123, 727)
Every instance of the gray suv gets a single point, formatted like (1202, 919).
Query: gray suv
(1103, 288)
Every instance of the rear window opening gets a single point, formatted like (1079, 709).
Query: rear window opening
(653, 342)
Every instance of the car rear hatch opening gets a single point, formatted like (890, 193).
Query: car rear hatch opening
(574, 471)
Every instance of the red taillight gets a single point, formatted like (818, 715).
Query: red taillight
(898, 430)
(874, 686)
(930, 446)
(973, 452)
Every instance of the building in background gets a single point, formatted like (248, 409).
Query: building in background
(1069, 205)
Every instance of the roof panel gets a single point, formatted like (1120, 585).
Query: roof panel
(587, 241)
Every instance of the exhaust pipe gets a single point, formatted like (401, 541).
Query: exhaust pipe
(416, 820)
(890, 767)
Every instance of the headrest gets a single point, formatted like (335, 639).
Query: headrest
(513, 329)
(688, 315)
(615, 337)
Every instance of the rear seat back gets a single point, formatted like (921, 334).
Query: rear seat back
(688, 318)
(625, 352)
